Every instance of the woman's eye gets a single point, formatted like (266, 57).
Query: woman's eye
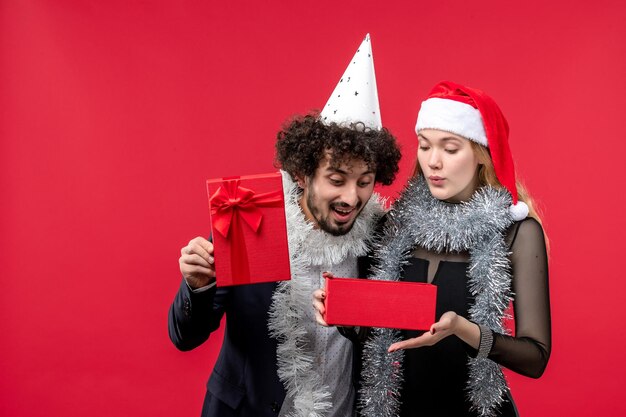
(452, 151)
(424, 148)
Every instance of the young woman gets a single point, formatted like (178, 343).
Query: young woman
(464, 224)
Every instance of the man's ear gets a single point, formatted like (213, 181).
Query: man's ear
(300, 180)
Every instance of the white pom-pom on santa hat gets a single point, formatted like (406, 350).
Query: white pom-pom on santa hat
(518, 211)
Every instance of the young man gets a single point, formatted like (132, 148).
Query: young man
(275, 359)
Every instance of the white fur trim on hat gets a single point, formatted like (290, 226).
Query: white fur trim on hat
(452, 116)
(518, 211)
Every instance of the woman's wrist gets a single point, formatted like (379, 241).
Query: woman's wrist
(467, 331)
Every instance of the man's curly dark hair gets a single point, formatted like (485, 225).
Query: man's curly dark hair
(304, 141)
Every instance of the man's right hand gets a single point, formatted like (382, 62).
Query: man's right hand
(197, 263)
(319, 298)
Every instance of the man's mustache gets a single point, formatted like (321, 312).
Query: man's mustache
(341, 204)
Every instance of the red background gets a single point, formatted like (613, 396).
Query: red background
(113, 114)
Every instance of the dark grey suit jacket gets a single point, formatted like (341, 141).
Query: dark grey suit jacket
(244, 380)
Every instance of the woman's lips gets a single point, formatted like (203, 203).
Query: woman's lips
(436, 180)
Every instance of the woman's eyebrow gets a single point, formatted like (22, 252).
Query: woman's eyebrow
(446, 138)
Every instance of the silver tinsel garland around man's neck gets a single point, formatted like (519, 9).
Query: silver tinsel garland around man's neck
(309, 246)
(478, 226)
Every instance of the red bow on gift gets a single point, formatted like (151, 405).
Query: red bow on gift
(229, 205)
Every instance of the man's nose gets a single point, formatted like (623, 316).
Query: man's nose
(350, 195)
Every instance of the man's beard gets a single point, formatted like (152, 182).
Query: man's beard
(326, 223)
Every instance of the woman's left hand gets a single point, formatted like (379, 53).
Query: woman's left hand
(440, 330)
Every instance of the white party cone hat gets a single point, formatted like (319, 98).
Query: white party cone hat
(355, 99)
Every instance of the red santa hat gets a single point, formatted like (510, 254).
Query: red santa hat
(471, 113)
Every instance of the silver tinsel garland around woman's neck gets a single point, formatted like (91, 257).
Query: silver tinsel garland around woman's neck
(307, 395)
(478, 226)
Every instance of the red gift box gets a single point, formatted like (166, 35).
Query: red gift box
(374, 303)
(249, 229)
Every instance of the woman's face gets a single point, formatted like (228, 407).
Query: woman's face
(449, 165)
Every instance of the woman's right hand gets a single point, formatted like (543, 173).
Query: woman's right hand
(197, 263)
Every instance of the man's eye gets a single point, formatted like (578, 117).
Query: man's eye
(364, 184)
(335, 181)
